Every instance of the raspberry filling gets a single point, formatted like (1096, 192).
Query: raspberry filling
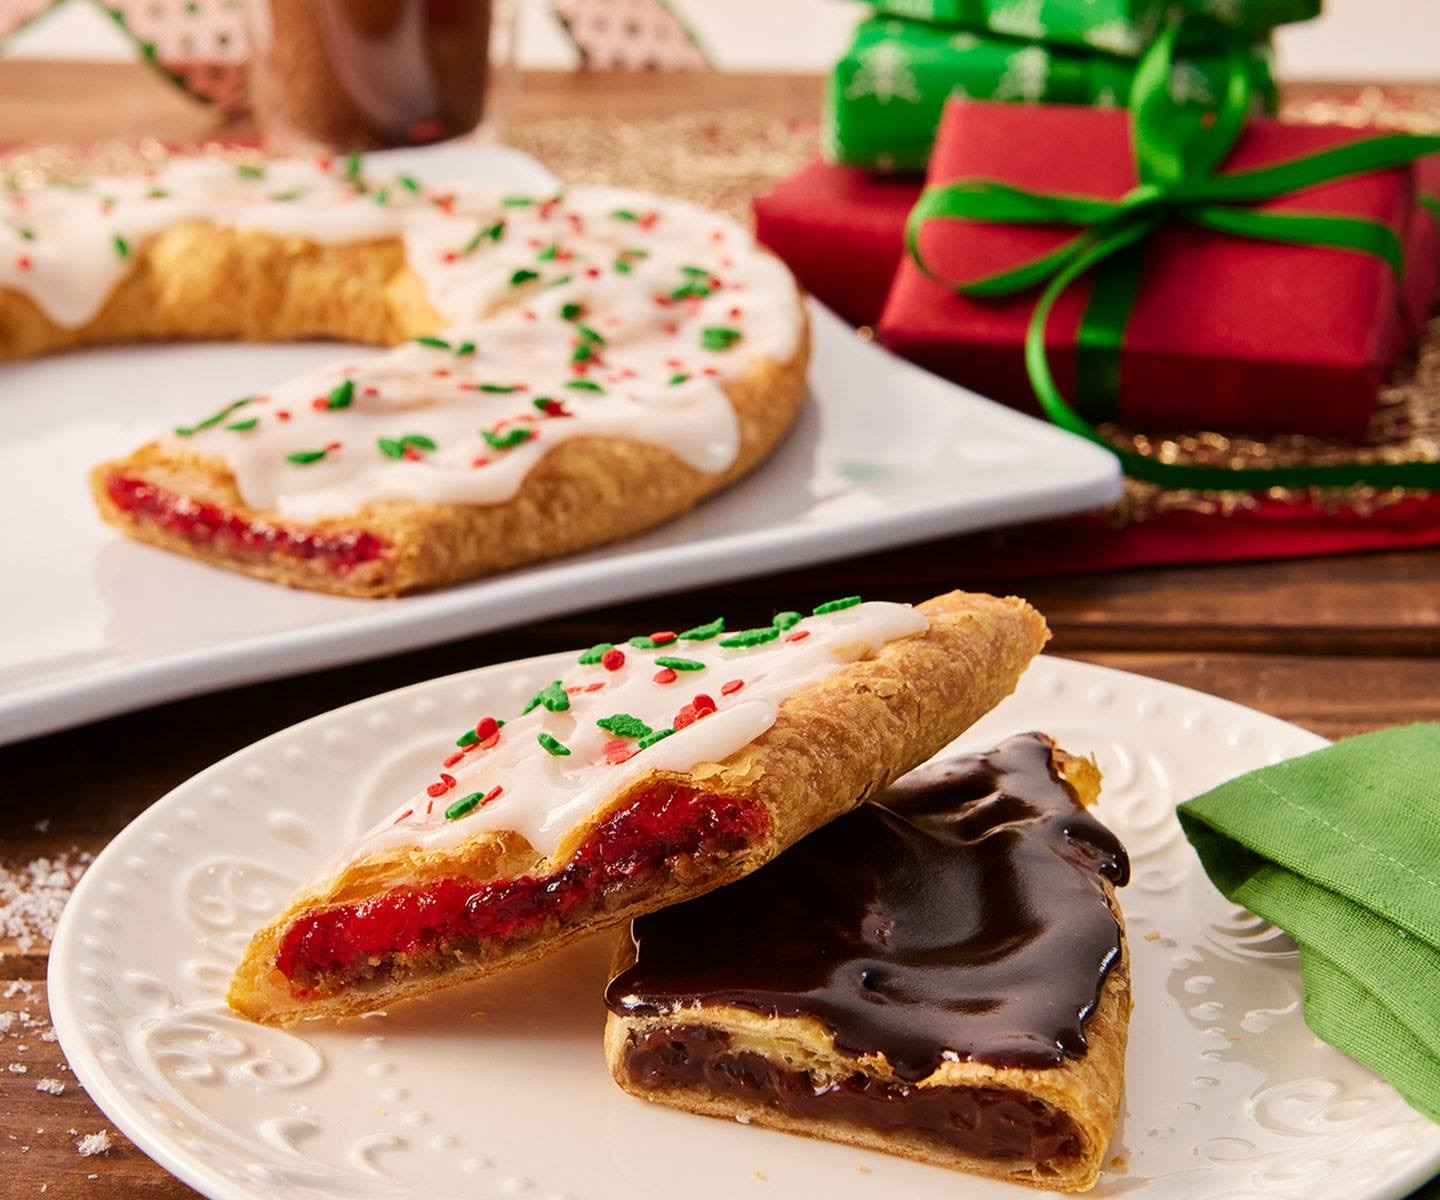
(664, 826)
(200, 521)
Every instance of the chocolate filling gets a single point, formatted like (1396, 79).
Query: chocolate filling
(993, 1123)
(961, 915)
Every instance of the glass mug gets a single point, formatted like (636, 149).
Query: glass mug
(366, 74)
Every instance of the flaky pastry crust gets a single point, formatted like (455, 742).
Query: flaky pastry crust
(834, 744)
(1088, 1089)
(198, 280)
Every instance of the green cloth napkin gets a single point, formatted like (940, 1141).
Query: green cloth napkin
(1341, 849)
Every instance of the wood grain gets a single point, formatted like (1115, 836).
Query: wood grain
(1338, 646)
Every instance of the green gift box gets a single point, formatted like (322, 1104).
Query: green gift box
(885, 95)
(1122, 27)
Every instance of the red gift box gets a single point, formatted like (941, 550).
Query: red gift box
(1225, 333)
(841, 231)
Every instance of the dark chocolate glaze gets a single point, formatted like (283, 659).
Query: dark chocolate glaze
(989, 1122)
(960, 914)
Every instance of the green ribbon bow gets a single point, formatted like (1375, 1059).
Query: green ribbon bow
(1176, 161)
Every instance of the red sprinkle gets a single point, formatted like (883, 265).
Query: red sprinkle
(411, 454)
(486, 727)
(732, 686)
(23, 262)
(492, 794)
(798, 636)
(612, 659)
(449, 256)
(370, 390)
(409, 812)
(703, 704)
(618, 751)
(648, 220)
(574, 689)
(594, 687)
(282, 414)
(331, 447)
(320, 402)
(686, 716)
(664, 636)
(554, 408)
(665, 675)
(455, 758)
(482, 461)
(441, 786)
(491, 742)
(592, 272)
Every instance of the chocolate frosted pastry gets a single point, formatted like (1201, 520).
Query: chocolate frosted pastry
(939, 974)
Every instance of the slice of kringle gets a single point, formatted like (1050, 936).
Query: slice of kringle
(940, 974)
(566, 369)
(653, 771)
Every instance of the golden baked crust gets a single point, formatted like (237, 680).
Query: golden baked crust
(1088, 1089)
(199, 280)
(833, 745)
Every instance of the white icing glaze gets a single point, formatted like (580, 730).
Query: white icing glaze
(59, 246)
(545, 796)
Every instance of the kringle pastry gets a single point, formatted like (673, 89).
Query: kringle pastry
(567, 369)
(940, 974)
(654, 771)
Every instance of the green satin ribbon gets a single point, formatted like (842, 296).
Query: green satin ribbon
(1177, 156)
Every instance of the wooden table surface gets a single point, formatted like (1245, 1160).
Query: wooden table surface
(1338, 645)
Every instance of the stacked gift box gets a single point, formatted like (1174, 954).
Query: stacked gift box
(1224, 332)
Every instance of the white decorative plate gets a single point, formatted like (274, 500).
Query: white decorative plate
(885, 454)
(499, 1089)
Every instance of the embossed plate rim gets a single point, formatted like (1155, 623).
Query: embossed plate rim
(1171, 702)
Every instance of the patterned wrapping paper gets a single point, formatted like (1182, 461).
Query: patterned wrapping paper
(884, 97)
(1114, 26)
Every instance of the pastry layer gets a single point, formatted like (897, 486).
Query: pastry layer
(828, 745)
(941, 974)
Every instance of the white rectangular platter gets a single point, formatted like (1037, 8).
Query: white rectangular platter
(884, 455)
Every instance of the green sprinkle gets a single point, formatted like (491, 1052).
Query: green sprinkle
(486, 233)
(409, 183)
(679, 664)
(552, 745)
(589, 334)
(750, 637)
(583, 385)
(584, 352)
(353, 163)
(572, 310)
(560, 282)
(158, 193)
(553, 696)
(624, 214)
(214, 418)
(437, 343)
(303, 458)
(624, 725)
(26, 233)
(247, 171)
(623, 267)
(696, 272)
(382, 196)
(122, 247)
(542, 403)
(468, 804)
(785, 620)
(595, 653)
(243, 426)
(464, 349)
(518, 201)
(468, 738)
(499, 388)
(836, 605)
(703, 633)
(678, 377)
(548, 253)
(508, 439)
(658, 736)
(287, 196)
(719, 337)
(342, 395)
(523, 275)
(395, 447)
